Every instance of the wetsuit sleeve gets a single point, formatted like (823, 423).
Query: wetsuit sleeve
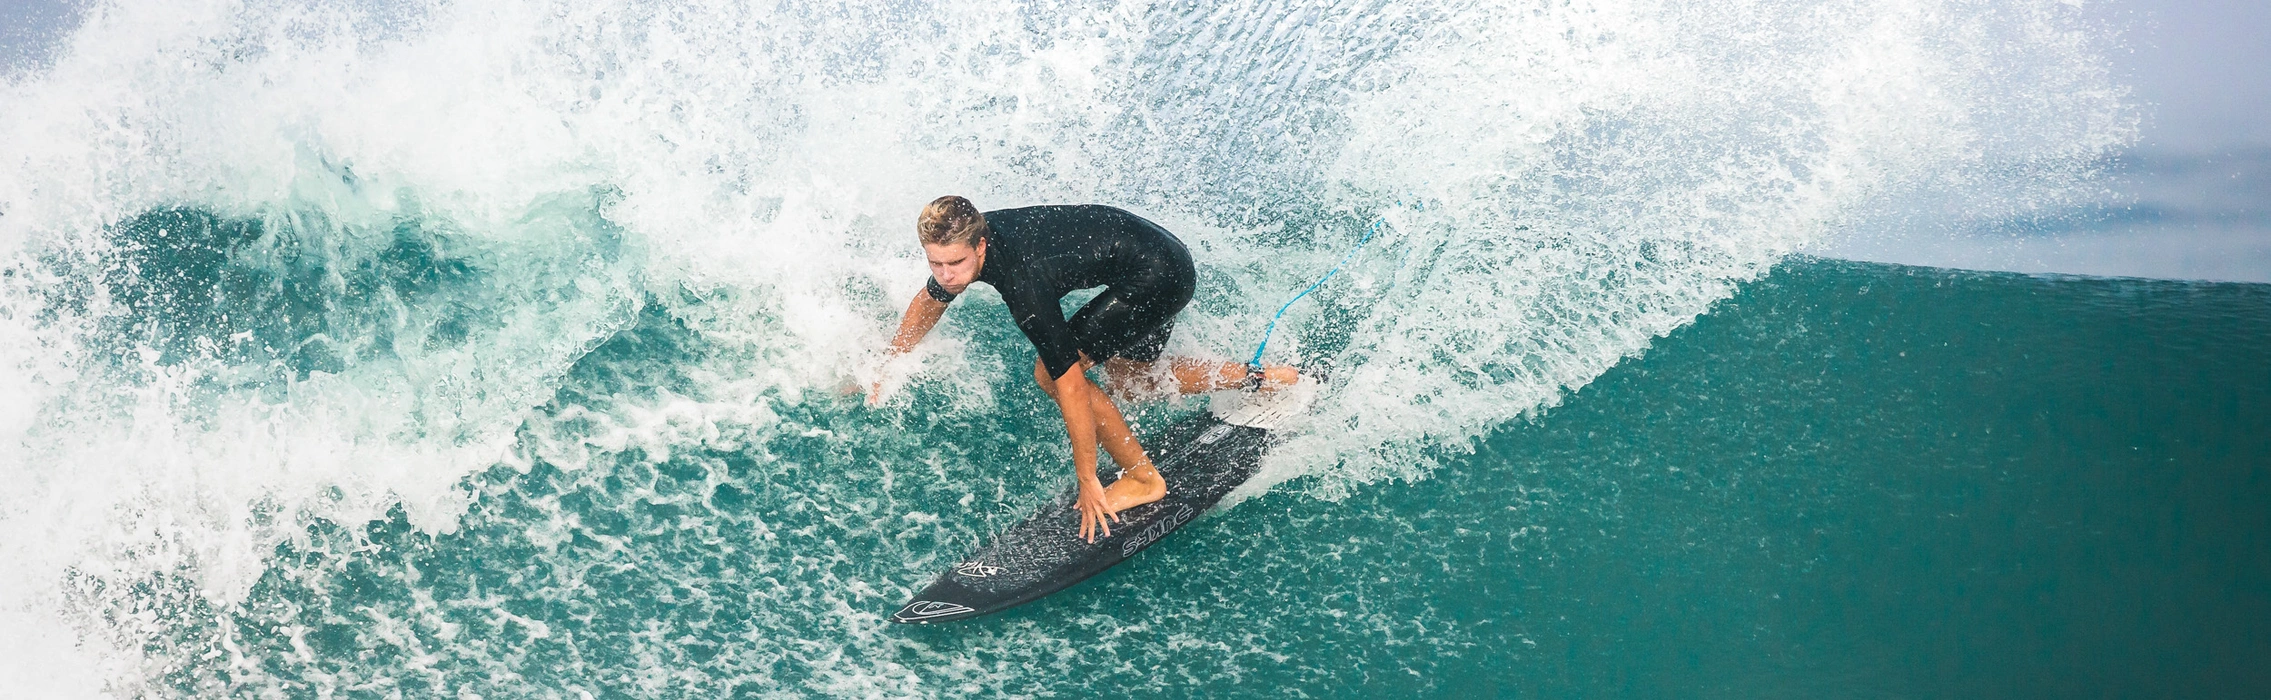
(938, 292)
(1045, 325)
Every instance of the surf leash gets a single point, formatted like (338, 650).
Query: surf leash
(1254, 368)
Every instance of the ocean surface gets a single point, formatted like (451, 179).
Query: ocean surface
(406, 349)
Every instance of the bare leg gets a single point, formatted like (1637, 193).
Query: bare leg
(1139, 481)
(1195, 376)
(1131, 380)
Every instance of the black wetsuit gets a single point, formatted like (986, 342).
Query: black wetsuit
(1035, 255)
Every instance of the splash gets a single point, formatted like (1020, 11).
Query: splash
(273, 265)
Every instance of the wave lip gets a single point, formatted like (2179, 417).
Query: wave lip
(2153, 214)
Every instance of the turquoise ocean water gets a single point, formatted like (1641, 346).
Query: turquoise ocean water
(497, 350)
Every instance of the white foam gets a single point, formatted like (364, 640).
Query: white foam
(1577, 179)
(1269, 410)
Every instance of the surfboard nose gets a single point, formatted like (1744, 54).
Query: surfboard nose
(928, 611)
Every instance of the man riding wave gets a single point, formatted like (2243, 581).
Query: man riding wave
(1034, 256)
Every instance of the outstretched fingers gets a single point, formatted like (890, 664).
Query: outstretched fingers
(1096, 520)
(1092, 522)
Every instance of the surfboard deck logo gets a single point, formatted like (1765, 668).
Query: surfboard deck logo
(1156, 530)
(928, 610)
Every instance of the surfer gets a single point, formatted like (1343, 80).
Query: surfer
(1033, 256)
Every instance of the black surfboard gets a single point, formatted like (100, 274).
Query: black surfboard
(1205, 458)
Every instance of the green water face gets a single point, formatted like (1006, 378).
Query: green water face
(1860, 480)
(1848, 480)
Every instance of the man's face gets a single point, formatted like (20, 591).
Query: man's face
(955, 265)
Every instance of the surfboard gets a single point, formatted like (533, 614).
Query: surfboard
(1204, 457)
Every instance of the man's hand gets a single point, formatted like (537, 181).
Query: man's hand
(1094, 516)
(922, 313)
(872, 391)
(886, 376)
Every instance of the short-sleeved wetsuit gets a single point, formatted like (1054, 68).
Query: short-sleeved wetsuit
(1035, 255)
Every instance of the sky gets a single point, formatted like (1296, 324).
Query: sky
(28, 28)
(2200, 71)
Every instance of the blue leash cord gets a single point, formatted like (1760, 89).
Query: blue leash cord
(1254, 368)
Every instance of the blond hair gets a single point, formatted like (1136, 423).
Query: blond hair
(950, 220)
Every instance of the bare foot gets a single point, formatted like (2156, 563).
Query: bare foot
(1136, 486)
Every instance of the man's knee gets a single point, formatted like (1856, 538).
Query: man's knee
(1122, 369)
(1130, 379)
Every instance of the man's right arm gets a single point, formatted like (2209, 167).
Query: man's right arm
(922, 314)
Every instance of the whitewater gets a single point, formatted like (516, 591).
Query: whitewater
(301, 303)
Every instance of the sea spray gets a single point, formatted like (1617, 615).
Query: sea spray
(275, 270)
